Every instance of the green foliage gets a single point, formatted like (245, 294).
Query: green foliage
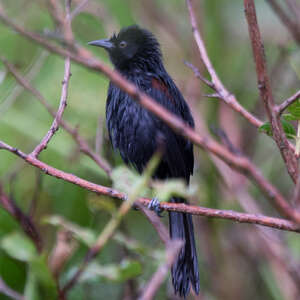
(288, 129)
(18, 246)
(84, 235)
(123, 271)
(40, 282)
(294, 110)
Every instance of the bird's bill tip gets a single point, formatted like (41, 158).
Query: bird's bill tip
(106, 44)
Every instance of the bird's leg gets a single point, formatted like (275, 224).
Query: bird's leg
(155, 205)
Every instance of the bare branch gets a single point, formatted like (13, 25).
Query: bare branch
(57, 120)
(77, 10)
(25, 221)
(83, 144)
(286, 103)
(266, 92)
(276, 223)
(217, 85)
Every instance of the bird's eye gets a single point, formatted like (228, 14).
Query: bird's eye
(123, 44)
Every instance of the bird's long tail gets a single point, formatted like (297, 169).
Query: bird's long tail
(185, 269)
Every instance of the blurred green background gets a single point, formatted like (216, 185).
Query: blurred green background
(236, 261)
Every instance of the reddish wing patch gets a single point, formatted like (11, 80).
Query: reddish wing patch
(160, 85)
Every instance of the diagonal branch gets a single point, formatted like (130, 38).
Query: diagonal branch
(266, 92)
(25, 221)
(286, 103)
(57, 120)
(216, 83)
(276, 223)
(82, 143)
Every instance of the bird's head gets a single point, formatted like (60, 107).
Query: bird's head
(132, 47)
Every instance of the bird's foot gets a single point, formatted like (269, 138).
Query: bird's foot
(155, 205)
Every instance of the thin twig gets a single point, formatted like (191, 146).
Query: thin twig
(266, 92)
(57, 120)
(276, 223)
(286, 103)
(157, 279)
(216, 83)
(6, 290)
(82, 143)
(26, 223)
(77, 10)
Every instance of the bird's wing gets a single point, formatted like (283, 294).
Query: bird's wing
(179, 156)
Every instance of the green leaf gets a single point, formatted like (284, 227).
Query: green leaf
(18, 246)
(266, 128)
(31, 287)
(294, 109)
(164, 190)
(289, 117)
(84, 235)
(40, 269)
(288, 128)
(126, 180)
(121, 272)
(130, 243)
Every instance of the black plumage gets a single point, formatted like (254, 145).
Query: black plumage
(134, 131)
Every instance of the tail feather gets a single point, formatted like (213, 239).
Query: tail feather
(185, 270)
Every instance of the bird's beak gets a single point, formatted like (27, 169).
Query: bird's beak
(106, 44)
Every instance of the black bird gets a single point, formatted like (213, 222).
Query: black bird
(134, 131)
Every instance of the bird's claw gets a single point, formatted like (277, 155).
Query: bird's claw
(155, 206)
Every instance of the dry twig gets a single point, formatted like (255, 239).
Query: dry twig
(57, 120)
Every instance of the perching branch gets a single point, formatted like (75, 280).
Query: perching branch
(115, 221)
(276, 223)
(266, 92)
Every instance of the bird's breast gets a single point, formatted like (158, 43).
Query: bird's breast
(132, 129)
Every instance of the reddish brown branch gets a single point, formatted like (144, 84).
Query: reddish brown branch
(216, 83)
(266, 92)
(25, 221)
(82, 143)
(57, 120)
(240, 163)
(276, 223)
(285, 104)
